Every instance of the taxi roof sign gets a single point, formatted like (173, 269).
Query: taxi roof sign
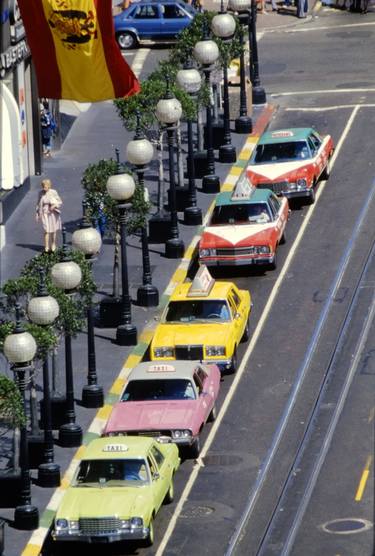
(282, 133)
(202, 283)
(161, 369)
(243, 189)
(115, 448)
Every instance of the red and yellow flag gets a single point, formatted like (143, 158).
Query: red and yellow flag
(74, 50)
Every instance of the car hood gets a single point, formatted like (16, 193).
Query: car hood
(259, 173)
(240, 235)
(213, 333)
(104, 502)
(151, 415)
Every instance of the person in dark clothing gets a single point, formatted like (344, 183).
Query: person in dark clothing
(47, 128)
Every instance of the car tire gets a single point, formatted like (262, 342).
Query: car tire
(213, 414)
(283, 238)
(246, 332)
(233, 365)
(311, 198)
(273, 265)
(149, 540)
(327, 170)
(170, 494)
(195, 448)
(126, 40)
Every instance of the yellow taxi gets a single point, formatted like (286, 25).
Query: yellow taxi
(204, 320)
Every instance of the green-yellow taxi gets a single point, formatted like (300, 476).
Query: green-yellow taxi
(205, 320)
(118, 488)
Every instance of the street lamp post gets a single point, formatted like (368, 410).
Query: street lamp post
(243, 124)
(249, 7)
(67, 275)
(20, 349)
(224, 25)
(88, 241)
(206, 53)
(44, 310)
(121, 188)
(189, 79)
(168, 112)
(140, 152)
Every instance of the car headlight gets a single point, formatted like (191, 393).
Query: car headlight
(260, 249)
(116, 433)
(136, 522)
(181, 433)
(164, 351)
(212, 351)
(73, 525)
(125, 524)
(61, 523)
(207, 252)
(301, 183)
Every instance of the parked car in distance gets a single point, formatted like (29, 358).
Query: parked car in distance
(167, 399)
(245, 228)
(290, 162)
(151, 20)
(116, 491)
(204, 320)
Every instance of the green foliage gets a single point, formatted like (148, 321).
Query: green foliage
(11, 406)
(6, 328)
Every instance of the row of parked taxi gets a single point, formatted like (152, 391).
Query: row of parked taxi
(127, 474)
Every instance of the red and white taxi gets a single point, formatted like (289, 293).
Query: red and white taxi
(171, 399)
(245, 228)
(291, 162)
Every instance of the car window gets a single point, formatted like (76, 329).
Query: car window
(201, 374)
(172, 11)
(236, 297)
(250, 213)
(160, 389)
(315, 140)
(312, 146)
(275, 205)
(146, 12)
(103, 472)
(198, 383)
(189, 311)
(281, 152)
(158, 456)
(232, 306)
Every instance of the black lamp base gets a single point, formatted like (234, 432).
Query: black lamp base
(70, 435)
(148, 296)
(243, 124)
(211, 184)
(49, 475)
(126, 335)
(92, 396)
(26, 518)
(259, 95)
(174, 248)
(192, 216)
(227, 154)
(159, 228)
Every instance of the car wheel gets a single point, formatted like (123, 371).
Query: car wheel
(311, 198)
(170, 494)
(273, 265)
(327, 170)
(283, 238)
(195, 448)
(246, 332)
(149, 540)
(233, 365)
(213, 414)
(126, 40)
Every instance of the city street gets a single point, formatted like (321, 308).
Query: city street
(287, 467)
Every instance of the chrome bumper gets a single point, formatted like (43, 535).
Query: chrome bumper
(137, 533)
(237, 261)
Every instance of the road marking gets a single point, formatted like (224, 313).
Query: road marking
(241, 369)
(363, 481)
(323, 92)
(139, 60)
(371, 415)
(330, 28)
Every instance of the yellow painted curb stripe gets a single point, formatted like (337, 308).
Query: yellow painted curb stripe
(31, 550)
(117, 386)
(363, 481)
(104, 412)
(235, 171)
(132, 361)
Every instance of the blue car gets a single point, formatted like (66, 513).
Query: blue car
(151, 20)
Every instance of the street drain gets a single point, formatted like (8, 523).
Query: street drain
(197, 511)
(221, 459)
(347, 526)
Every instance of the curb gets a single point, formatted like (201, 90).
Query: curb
(36, 541)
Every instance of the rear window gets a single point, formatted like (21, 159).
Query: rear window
(281, 152)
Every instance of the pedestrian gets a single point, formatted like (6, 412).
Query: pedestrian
(47, 128)
(48, 212)
(302, 8)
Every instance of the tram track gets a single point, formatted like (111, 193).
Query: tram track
(279, 532)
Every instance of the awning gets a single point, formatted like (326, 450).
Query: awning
(11, 167)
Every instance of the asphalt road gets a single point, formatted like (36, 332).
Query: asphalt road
(297, 321)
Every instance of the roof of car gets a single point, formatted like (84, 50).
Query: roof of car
(163, 369)
(285, 135)
(118, 448)
(219, 291)
(257, 196)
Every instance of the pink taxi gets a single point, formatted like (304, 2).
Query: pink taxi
(167, 399)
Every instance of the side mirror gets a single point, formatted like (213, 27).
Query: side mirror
(157, 318)
(156, 476)
(237, 315)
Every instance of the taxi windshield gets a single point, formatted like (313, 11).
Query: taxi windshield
(106, 472)
(281, 152)
(198, 310)
(161, 389)
(254, 213)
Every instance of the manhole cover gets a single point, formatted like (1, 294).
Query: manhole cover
(197, 511)
(347, 526)
(221, 459)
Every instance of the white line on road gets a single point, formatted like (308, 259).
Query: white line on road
(323, 92)
(241, 369)
(139, 60)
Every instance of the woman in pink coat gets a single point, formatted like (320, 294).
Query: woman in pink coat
(48, 213)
